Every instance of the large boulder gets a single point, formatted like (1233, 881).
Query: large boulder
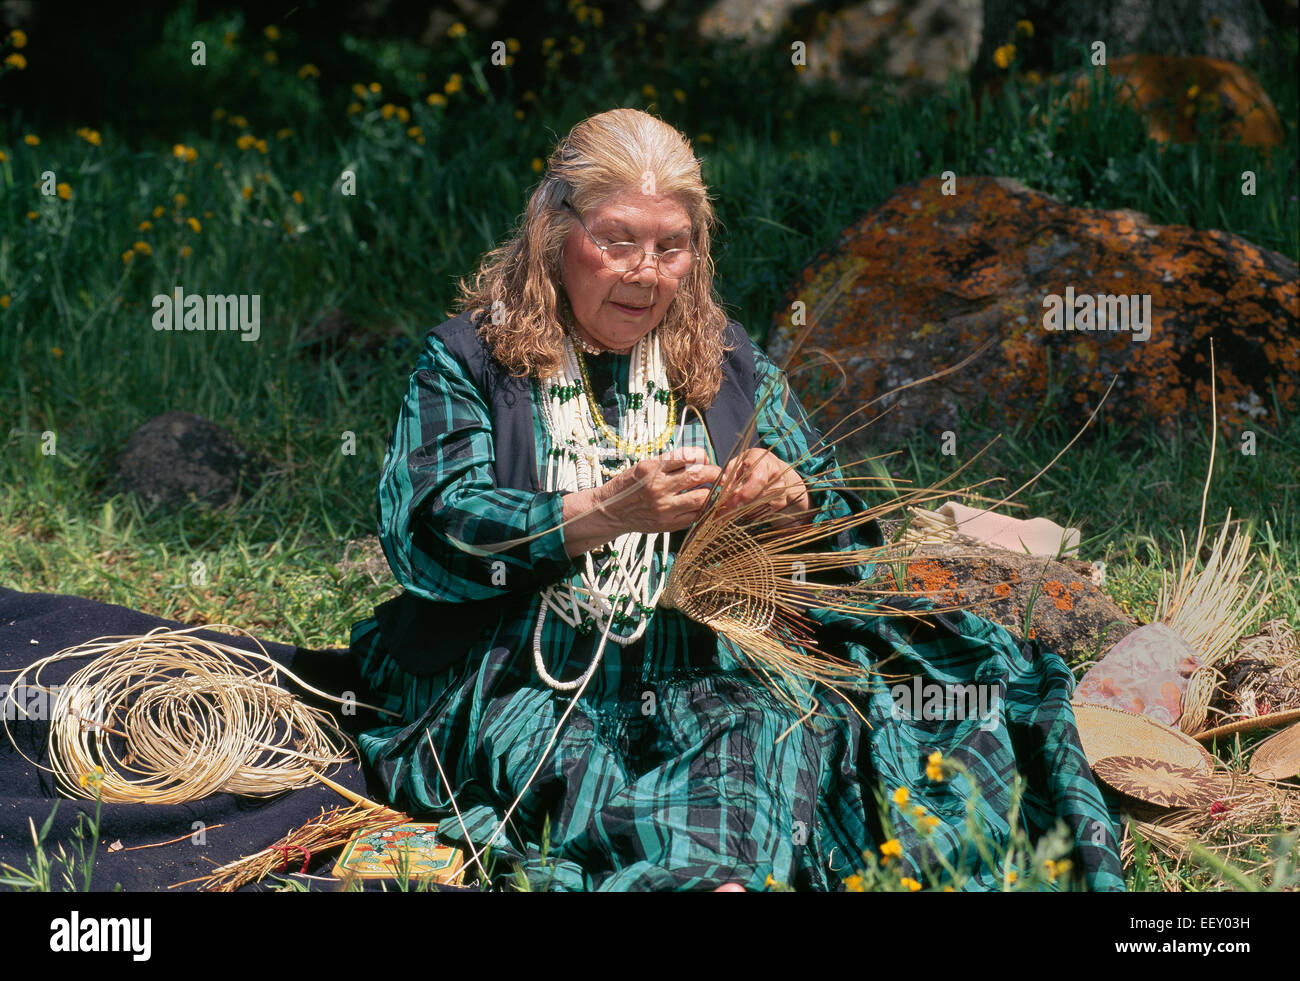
(928, 278)
(180, 458)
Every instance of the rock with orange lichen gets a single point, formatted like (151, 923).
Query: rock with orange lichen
(927, 278)
(1177, 94)
(1070, 614)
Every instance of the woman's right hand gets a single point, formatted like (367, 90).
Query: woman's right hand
(658, 494)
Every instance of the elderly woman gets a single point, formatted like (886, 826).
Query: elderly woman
(555, 440)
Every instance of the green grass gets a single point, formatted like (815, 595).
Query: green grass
(787, 175)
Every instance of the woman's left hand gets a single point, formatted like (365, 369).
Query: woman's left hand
(760, 473)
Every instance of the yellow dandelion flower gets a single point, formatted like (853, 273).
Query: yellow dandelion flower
(359, 89)
(270, 57)
(704, 138)
(31, 139)
(918, 811)
(453, 83)
(354, 108)
(547, 44)
(649, 91)
(309, 71)
(1025, 27)
(1004, 55)
(375, 88)
(769, 882)
(186, 251)
(128, 255)
(194, 224)
(18, 38)
(64, 190)
(283, 133)
(1033, 78)
(5, 301)
(679, 95)
(934, 767)
(576, 44)
(16, 61)
(247, 192)
(83, 779)
(519, 114)
(413, 131)
(930, 823)
(4, 157)
(144, 226)
(911, 884)
(239, 122)
(1193, 91)
(436, 99)
(144, 248)
(834, 137)
(229, 38)
(191, 154)
(597, 17)
(512, 45)
(178, 150)
(246, 141)
(159, 211)
(91, 136)
(456, 30)
(949, 889)
(855, 883)
(537, 165)
(261, 146)
(901, 796)
(891, 849)
(388, 110)
(272, 32)
(218, 113)
(57, 352)
(1011, 878)
(297, 197)
(403, 114)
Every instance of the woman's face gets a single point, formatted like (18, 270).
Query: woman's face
(614, 310)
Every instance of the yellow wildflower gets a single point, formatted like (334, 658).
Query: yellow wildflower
(57, 352)
(519, 114)
(5, 301)
(1025, 27)
(413, 131)
(18, 38)
(855, 883)
(649, 91)
(144, 226)
(186, 252)
(247, 192)
(228, 39)
(144, 248)
(456, 30)
(246, 141)
(261, 146)
(354, 108)
(270, 57)
(901, 796)
(31, 139)
(934, 767)
(1011, 878)
(930, 823)
(388, 110)
(1004, 55)
(283, 133)
(239, 122)
(272, 32)
(309, 71)
(597, 17)
(194, 224)
(912, 884)
(359, 89)
(537, 165)
(949, 889)
(918, 811)
(159, 211)
(16, 61)
(297, 197)
(453, 84)
(3, 156)
(891, 849)
(547, 44)
(704, 138)
(128, 255)
(835, 137)
(679, 95)
(436, 99)
(218, 113)
(65, 190)
(403, 114)
(375, 88)
(576, 44)
(1193, 92)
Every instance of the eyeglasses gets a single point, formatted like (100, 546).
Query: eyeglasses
(625, 256)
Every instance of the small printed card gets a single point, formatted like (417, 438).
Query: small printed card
(411, 848)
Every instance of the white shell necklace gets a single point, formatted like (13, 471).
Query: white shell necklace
(577, 461)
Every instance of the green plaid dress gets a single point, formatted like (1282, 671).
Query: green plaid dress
(669, 773)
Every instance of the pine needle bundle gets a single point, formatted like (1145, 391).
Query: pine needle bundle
(167, 718)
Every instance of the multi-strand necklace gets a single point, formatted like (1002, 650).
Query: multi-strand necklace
(585, 452)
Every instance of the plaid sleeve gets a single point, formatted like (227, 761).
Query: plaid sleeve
(438, 488)
(783, 427)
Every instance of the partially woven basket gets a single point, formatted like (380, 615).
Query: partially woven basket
(1278, 756)
(1107, 732)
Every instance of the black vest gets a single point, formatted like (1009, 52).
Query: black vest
(426, 637)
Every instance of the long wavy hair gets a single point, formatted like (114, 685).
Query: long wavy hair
(519, 282)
